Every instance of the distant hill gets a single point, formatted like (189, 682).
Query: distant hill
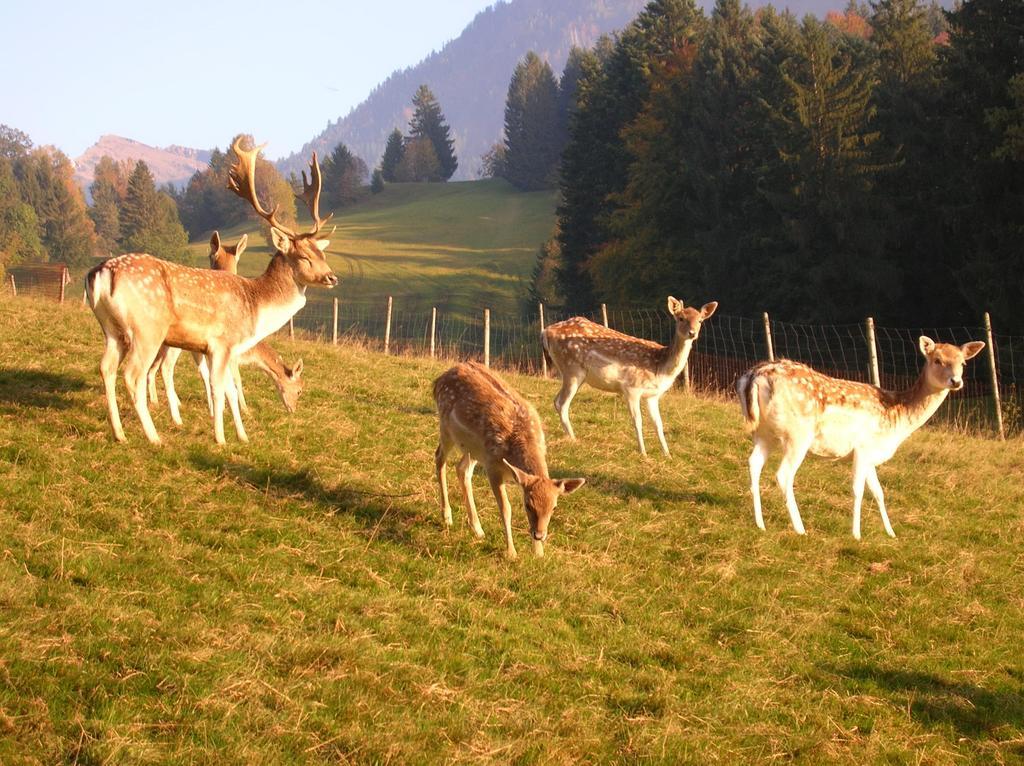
(470, 74)
(174, 164)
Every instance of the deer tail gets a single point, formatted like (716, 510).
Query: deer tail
(748, 391)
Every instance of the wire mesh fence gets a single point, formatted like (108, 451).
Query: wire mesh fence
(727, 347)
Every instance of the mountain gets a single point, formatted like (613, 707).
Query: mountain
(174, 164)
(470, 77)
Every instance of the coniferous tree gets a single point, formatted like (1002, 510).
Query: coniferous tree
(428, 122)
(139, 211)
(19, 227)
(419, 162)
(532, 134)
(377, 181)
(343, 177)
(392, 158)
(105, 213)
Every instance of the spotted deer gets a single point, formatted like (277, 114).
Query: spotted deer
(489, 423)
(143, 303)
(287, 380)
(789, 404)
(641, 370)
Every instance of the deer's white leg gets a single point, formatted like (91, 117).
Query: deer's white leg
(203, 365)
(563, 399)
(136, 375)
(108, 371)
(236, 375)
(786, 475)
(876, 490)
(151, 376)
(654, 410)
(465, 470)
(441, 469)
(236, 415)
(756, 461)
(860, 474)
(170, 359)
(498, 487)
(218, 363)
(633, 400)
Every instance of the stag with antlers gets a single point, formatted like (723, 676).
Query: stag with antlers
(143, 302)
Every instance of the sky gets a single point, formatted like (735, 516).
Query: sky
(197, 73)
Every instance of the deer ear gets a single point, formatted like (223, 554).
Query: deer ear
(214, 242)
(568, 486)
(240, 247)
(280, 240)
(708, 309)
(674, 305)
(323, 244)
(926, 344)
(297, 370)
(972, 349)
(521, 476)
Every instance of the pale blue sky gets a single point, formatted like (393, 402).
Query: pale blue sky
(195, 73)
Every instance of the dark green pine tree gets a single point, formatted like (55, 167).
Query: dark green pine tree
(612, 91)
(532, 134)
(903, 37)
(982, 183)
(343, 177)
(428, 122)
(106, 214)
(139, 211)
(393, 151)
(377, 181)
(838, 270)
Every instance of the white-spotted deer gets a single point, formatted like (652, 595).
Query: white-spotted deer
(484, 418)
(142, 303)
(789, 404)
(641, 370)
(287, 380)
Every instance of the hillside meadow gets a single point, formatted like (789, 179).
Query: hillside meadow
(459, 246)
(296, 600)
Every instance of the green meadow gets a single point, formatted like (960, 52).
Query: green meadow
(458, 246)
(296, 599)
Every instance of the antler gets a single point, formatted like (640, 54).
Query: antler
(311, 195)
(242, 181)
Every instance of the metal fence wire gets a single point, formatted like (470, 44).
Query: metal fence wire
(727, 347)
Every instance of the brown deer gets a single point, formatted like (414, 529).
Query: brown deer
(142, 303)
(640, 370)
(287, 380)
(490, 423)
(788, 403)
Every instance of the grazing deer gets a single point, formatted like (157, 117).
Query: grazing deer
(803, 410)
(287, 380)
(142, 303)
(490, 423)
(586, 352)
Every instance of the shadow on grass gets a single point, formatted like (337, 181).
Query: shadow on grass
(931, 699)
(656, 492)
(384, 517)
(38, 388)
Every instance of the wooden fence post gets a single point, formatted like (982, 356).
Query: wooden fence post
(14, 287)
(63, 281)
(873, 352)
(433, 332)
(768, 337)
(487, 337)
(387, 329)
(543, 356)
(291, 327)
(995, 376)
(334, 332)
(604, 314)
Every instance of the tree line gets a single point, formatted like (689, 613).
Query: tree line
(823, 171)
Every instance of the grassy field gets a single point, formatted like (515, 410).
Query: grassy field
(459, 246)
(296, 599)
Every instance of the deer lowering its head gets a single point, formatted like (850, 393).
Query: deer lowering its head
(789, 404)
(489, 423)
(143, 303)
(641, 370)
(287, 380)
